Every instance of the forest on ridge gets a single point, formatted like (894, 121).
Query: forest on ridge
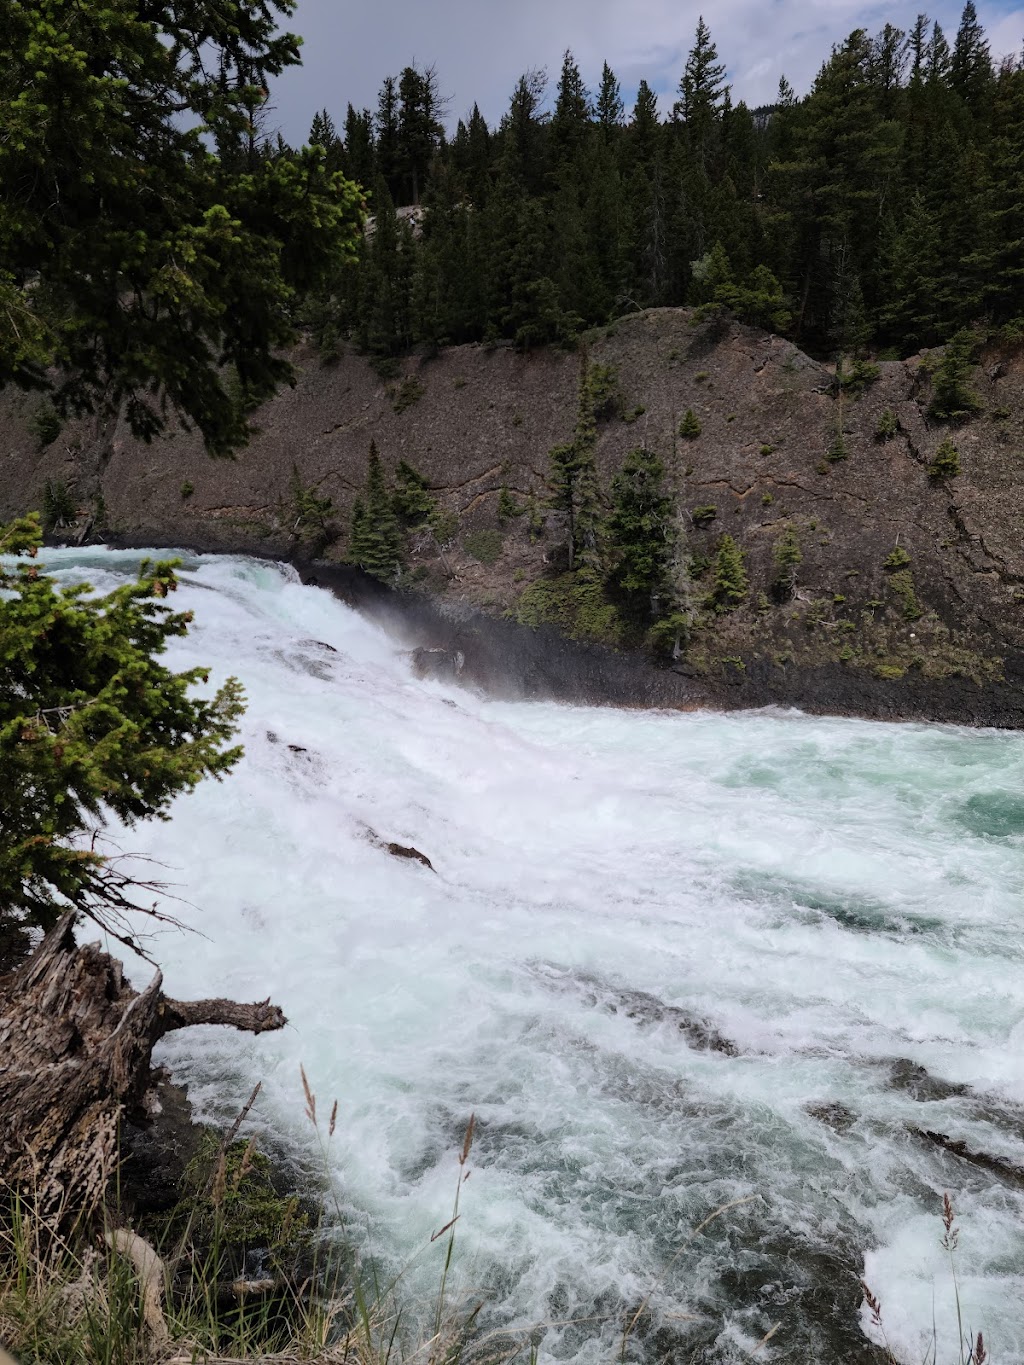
(883, 211)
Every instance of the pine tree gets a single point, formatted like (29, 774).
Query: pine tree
(93, 727)
(638, 528)
(998, 258)
(712, 277)
(645, 127)
(690, 427)
(970, 69)
(610, 108)
(945, 463)
(910, 311)
(359, 151)
(574, 481)
(730, 581)
(889, 51)
(419, 130)
(953, 399)
(787, 558)
(323, 134)
(411, 500)
(570, 122)
(376, 542)
(523, 136)
(388, 156)
(701, 92)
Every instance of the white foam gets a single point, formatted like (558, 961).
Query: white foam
(824, 892)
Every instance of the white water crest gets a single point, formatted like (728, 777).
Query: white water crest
(670, 961)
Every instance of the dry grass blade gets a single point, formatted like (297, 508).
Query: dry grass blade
(310, 1097)
(467, 1142)
(449, 1225)
(242, 1114)
(334, 1119)
(766, 1338)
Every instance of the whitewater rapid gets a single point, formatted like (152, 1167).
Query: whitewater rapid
(669, 961)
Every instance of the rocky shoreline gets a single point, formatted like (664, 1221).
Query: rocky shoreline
(906, 592)
(454, 641)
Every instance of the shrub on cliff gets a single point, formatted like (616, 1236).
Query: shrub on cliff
(412, 501)
(376, 541)
(638, 527)
(945, 463)
(953, 400)
(731, 583)
(92, 725)
(787, 558)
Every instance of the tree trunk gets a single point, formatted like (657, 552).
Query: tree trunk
(75, 1048)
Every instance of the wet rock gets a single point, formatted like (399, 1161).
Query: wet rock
(833, 1114)
(402, 851)
(642, 1008)
(919, 1084)
(1000, 1166)
(317, 644)
(445, 665)
(398, 850)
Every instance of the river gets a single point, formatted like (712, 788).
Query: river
(669, 961)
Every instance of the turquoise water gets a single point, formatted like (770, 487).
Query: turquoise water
(669, 961)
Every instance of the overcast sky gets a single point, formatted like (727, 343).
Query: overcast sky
(480, 47)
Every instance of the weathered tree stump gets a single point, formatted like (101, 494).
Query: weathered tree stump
(75, 1047)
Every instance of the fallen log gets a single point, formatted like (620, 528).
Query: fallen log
(76, 1043)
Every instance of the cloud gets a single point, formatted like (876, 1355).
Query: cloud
(480, 47)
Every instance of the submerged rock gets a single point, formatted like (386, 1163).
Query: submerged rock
(920, 1084)
(403, 851)
(833, 1114)
(985, 1161)
(397, 850)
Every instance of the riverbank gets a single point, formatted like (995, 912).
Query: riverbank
(455, 641)
(903, 591)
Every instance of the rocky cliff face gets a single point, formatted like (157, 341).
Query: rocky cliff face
(934, 629)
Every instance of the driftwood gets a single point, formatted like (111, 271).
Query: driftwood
(75, 1048)
(152, 1276)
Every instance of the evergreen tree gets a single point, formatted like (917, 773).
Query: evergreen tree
(638, 528)
(945, 463)
(690, 427)
(889, 52)
(411, 500)
(730, 578)
(323, 134)
(522, 135)
(419, 129)
(570, 122)
(997, 261)
(388, 154)
(701, 93)
(574, 481)
(359, 152)
(970, 69)
(645, 128)
(610, 108)
(386, 280)
(787, 558)
(153, 243)
(376, 541)
(93, 727)
(953, 399)
(910, 311)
